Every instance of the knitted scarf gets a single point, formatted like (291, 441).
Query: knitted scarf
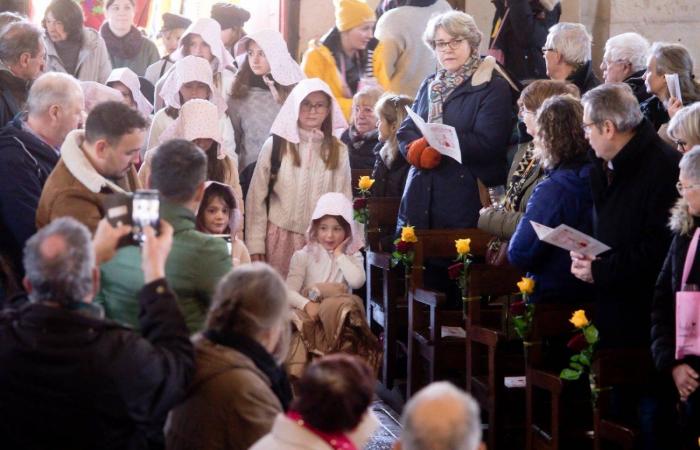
(521, 174)
(279, 383)
(125, 47)
(445, 82)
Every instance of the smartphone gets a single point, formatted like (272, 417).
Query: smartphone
(145, 211)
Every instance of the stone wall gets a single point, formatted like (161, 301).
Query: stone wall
(657, 20)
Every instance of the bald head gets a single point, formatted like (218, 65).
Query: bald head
(441, 417)
(55, 107)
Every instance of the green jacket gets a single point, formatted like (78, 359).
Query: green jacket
(195, 265)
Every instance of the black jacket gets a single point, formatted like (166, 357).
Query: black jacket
(69, 380)
(523, 34)
(360, 150)
(655, 111)
(584, 78)
(663, 314)
(630, 216)
(13, 95)
(25, 163)
(390, 172)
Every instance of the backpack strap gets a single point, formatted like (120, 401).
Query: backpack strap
(275, 163)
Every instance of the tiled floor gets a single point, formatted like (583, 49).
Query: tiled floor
(390, 429)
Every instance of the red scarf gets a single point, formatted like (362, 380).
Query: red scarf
(338, 441)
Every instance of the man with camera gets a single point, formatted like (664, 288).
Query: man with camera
(94, 162)
(197, 262)
(69, 379)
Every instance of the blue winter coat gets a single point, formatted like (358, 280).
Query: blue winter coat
(562, 197)
(447, 196)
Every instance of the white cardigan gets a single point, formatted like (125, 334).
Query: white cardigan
(307, 268)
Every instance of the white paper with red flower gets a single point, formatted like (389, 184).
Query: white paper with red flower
(569, 239)
(441, 137)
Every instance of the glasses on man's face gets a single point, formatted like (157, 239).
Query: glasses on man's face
(547, 49)
(680, 145)
(452, 44)
(681, 188)
(523, 112)
(586, 127)
(308, 107)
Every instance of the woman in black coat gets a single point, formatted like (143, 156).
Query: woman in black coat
(468, 94)
(684, 372)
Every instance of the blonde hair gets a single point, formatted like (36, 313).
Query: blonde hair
(367, 95)
(687, 123)
(392, 108)
(252, 300)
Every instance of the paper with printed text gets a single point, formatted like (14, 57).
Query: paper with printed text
(441, 137)
(569, 239)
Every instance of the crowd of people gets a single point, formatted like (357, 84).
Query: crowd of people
(232, 322)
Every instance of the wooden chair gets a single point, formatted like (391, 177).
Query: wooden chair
(427, 312)
(547, 428)
(491, 353)
(612, 370)
(385, 294)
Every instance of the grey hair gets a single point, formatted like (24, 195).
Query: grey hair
(8, 17)
(614, 102)
(686, 123)
(451, 433)
(455, 23)
(18, 38)
(690, 164)
(572, 41)
(251, 300)
(675, 58)
(52, 88)
(66, 276)
(629, 47)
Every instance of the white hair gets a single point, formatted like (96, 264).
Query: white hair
(690, 164)
(460, 432)
(52, 88)
(572, 41)
(628, 47)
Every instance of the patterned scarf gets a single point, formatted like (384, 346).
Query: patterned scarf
(444, 83)
(515, 191)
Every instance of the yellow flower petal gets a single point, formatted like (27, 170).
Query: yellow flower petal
(365, 182)
(526, 285)
(408, 234)
(463, 246)
(579, 319)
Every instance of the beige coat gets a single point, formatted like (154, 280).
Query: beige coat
(75, 189)
(93, 59)
(229, 405)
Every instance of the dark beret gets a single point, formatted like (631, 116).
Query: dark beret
(229, 15)
(173, 21)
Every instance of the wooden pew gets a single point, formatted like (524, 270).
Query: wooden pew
(427, 312)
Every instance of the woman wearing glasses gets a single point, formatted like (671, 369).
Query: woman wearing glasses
(683, 370)
(469, 94)
(302, 160)
(684, 128)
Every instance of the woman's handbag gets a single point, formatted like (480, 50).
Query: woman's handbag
(688, 309)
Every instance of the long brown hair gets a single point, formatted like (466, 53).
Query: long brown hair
(244, 81)
(330, 149)
(559, 130)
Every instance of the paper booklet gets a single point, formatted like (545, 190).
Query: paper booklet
(570, 239)
(441, 137)
(674, 86)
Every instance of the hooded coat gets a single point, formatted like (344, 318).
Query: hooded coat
(562, 197)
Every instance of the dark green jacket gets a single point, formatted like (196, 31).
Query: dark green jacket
(195, 265)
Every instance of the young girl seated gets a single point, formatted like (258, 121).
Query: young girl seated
(327, 317)
(219, 214)
(390, 167)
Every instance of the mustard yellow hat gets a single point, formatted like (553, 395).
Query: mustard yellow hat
(352, 13)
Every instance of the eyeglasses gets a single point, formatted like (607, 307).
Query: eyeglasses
(681, 188)
(586, 127)
(548, 49)
(453, 44)
(680, 144)
(308, 107)
(524, 112)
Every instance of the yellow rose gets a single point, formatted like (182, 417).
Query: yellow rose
(408, 234)
(463, 246)
(526, 285)
(579, 319)
(365, 183)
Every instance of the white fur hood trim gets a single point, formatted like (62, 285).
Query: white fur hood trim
(80, 167)
(484, 73)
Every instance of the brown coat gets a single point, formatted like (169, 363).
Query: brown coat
(75, 189)
(229, 405)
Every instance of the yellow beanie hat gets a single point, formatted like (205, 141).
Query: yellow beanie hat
(352, 13)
